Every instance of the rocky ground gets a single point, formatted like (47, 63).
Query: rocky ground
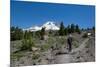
(84, 53)
(54, 51)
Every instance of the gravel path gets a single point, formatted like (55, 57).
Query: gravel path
(68, 58)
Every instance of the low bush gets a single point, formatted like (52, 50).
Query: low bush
(27, 44)
(85, 35)
(45, 47)
(76, 45)
(16, 56)
(35, 56)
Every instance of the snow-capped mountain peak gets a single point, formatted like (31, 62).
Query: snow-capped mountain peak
(50, 25)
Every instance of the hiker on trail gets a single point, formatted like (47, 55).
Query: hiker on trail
(69, 41)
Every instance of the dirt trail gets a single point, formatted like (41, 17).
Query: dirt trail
(68, 58)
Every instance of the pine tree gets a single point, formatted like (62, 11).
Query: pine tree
(16, 33)
(69, 29)
(38, 34)
(72, 28)
(61, 31)
(42, 33)
(93, 28)
(65, 31)
(77, 29)
(28, 34)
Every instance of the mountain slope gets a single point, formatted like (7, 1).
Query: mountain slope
(48, 26)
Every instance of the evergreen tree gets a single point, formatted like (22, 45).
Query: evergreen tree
(77, 29)
(42, 33)
(72, 28)
(82, 29)
(12, 29)
(16, 33)
(69, 29)
(38, 34)
(28, 34)
(65, 31)
(61, 31)
(93, 28)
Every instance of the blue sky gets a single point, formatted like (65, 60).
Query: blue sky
(26, 14)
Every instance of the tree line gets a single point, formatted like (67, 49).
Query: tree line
(69, 29)
(18, 34)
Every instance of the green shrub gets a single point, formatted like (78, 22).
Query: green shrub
(87, 46)
(85, 35)
(50, 40)
(62, 41)
(16, 56)
(45, 47)
(28, 34)
(76, 45)
(27, 44)
(35, 56)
